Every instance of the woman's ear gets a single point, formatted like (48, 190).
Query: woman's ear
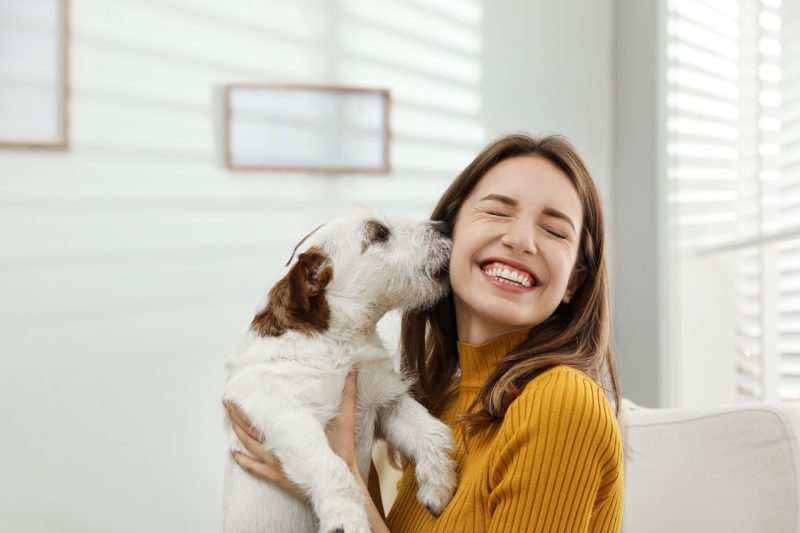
(576, 279)
(308, 278)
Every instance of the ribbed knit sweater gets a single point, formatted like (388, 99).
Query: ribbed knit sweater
(553, 464)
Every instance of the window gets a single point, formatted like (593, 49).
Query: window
(733, 158)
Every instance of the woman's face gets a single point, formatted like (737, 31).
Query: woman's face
(515, 240)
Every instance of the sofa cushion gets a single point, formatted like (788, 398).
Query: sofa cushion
(732, 469)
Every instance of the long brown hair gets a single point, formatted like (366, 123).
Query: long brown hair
(577, 334)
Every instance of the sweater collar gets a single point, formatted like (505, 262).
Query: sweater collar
(477, 361)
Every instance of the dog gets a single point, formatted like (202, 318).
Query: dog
(288, 372)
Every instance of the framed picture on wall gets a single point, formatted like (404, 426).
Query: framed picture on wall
(34, 37)
(307, 128)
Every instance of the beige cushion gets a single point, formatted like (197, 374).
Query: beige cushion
(731, 469)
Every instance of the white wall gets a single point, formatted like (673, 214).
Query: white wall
(641, 262)
(548, 68)
(130, 263)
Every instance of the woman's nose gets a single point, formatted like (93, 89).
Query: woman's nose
(520, 237)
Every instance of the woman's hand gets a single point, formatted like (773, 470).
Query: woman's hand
(262, 463)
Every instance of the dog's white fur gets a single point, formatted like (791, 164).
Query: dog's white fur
(290, 386)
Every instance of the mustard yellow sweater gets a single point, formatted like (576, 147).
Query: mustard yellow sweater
(554, 463)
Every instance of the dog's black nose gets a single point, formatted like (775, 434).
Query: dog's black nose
(441, 226)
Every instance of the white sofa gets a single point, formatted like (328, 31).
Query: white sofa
(732, 469)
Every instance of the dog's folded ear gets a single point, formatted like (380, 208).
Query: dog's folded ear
(297, 302)
(308, 278)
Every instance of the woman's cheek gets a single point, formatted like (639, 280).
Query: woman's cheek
(459, 262)
(458, 274)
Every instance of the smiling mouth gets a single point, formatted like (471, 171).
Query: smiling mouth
(501, 273)
(506, 285)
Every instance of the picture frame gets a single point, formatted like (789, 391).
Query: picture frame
(34, 74)
(307, 128)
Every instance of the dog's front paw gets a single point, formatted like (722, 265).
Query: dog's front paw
(344, 529)
(436, 487)
(435, 497)
(345, 525)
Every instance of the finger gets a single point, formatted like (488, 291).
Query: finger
(242, 421)
(259, 454)
(269, 473)
(251, 444)
(257, 468)
(349, 394)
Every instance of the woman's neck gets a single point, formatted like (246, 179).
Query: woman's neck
(472, 329)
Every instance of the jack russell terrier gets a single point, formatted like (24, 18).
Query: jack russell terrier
(288, 373)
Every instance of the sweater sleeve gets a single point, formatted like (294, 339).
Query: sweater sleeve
(559, 461)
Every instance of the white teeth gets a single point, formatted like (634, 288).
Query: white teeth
(512, 277)
(508, 281)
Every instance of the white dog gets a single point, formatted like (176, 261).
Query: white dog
(288, 375)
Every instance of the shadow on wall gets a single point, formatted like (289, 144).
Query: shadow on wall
(131, 262)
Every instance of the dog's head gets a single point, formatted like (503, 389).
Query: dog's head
(354, 269)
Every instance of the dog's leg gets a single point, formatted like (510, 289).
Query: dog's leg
(409, 428)
(299, 442)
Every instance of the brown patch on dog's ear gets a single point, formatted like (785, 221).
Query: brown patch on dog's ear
(298, 301)
(307, 279)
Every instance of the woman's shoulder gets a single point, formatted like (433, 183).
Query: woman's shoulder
(566, 395)
(562, 422)
(562, 381)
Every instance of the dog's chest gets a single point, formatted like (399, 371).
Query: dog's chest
(378, 385)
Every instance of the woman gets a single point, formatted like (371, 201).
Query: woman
(513, 359)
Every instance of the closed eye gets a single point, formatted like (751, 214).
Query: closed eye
(555, 233)
(501, 214)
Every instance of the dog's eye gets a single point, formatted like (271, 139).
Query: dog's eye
(381, 233)
(376, 233)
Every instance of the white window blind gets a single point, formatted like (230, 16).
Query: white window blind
(733, 158)
(786, 127)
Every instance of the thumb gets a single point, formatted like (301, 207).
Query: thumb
(349, 394)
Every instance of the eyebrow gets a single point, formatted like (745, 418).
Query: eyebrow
(550, 211)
